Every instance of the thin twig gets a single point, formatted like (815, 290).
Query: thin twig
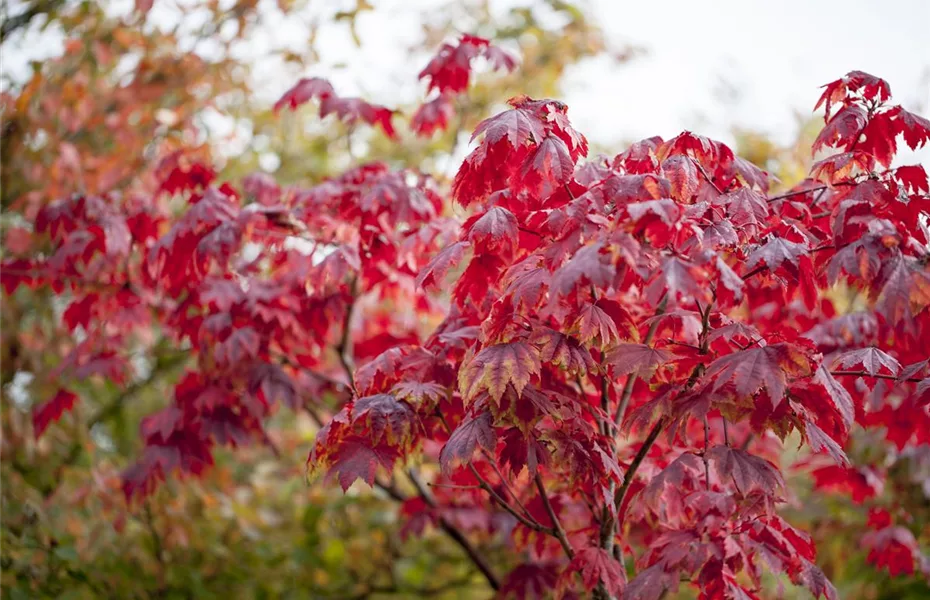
(450, 529)
(631, 378)
(876, 376)
(342, 348)
(506, 485)
(765, 267)
(486, 486)
(706, 176)
(526, 518)
(819, 188)
(634, 466)
(605, 403)
(455, 533)
(453, 486)
(557, 525)
(704, 456)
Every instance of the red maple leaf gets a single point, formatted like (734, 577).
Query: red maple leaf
(473, 432)
(596, 566)
(496, 367)
(305, 90)
(52, 410)
(432, 116)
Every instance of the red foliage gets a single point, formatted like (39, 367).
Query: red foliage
(627, 341)
(448, 74)
(52, 410)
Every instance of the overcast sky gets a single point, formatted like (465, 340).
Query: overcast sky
(775, 55)
(709, 65)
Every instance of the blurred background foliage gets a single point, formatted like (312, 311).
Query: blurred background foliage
(122, 94)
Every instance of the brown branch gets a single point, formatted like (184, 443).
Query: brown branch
(486, 486)
(286, 360)
(506, 485)
(557, 525)
(704, 456)
(683, 344)
(605, 403)
(530, 231)
(342, 348)
(796, 193)
(271, 443)
(526, 518)
(819, 188)
(634, 466)
(453, 486)
(609, 523)
(608, 527)
(818, 196)
(459, 538)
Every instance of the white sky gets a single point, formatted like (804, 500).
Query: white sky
(774, 54)
(709, 65)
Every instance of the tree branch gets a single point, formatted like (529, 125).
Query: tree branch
(706, 176)
(526, 518)
(450, 529)
(876, 376)
(631, 378)
(454, 533)
(342, 348)
(634, 466)
(557, 525)
(819, 188)
(11, 24)
(704, 456)
(531, 523)
(506, 485)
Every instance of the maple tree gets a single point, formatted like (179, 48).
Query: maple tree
(625, 346)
